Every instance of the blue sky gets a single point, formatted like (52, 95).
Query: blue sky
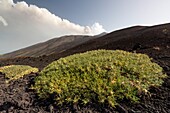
(112, 14)
(24, 23)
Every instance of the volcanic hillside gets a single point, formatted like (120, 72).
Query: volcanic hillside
(134, 38)
(153, 41)
(55, 45)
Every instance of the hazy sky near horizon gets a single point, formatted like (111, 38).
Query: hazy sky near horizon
(27, 22)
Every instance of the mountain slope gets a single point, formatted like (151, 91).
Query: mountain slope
(55, 45)
(143, 39)
(153, 41)
(130, 39)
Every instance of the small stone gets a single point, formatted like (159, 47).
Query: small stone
(121, 109)
(51, 108)
(166, 68)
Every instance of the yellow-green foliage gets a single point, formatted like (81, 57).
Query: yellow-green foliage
(100, 75)
(17, 71)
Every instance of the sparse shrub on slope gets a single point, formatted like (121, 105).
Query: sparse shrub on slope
(13, 72)
(100, 75)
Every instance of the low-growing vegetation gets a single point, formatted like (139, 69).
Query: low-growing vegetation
(100, 75)
(13, 72)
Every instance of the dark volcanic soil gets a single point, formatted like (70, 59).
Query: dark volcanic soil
(17, 97)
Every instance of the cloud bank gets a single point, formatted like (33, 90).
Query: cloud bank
(22, 25)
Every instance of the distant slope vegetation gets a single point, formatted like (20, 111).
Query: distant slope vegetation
(55, 45)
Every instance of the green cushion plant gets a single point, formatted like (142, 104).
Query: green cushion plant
(13, 72)
(100, 75)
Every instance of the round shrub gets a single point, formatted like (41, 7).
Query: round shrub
(100, 75)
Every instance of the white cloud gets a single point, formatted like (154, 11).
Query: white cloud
(3, 21)
(29, 24)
